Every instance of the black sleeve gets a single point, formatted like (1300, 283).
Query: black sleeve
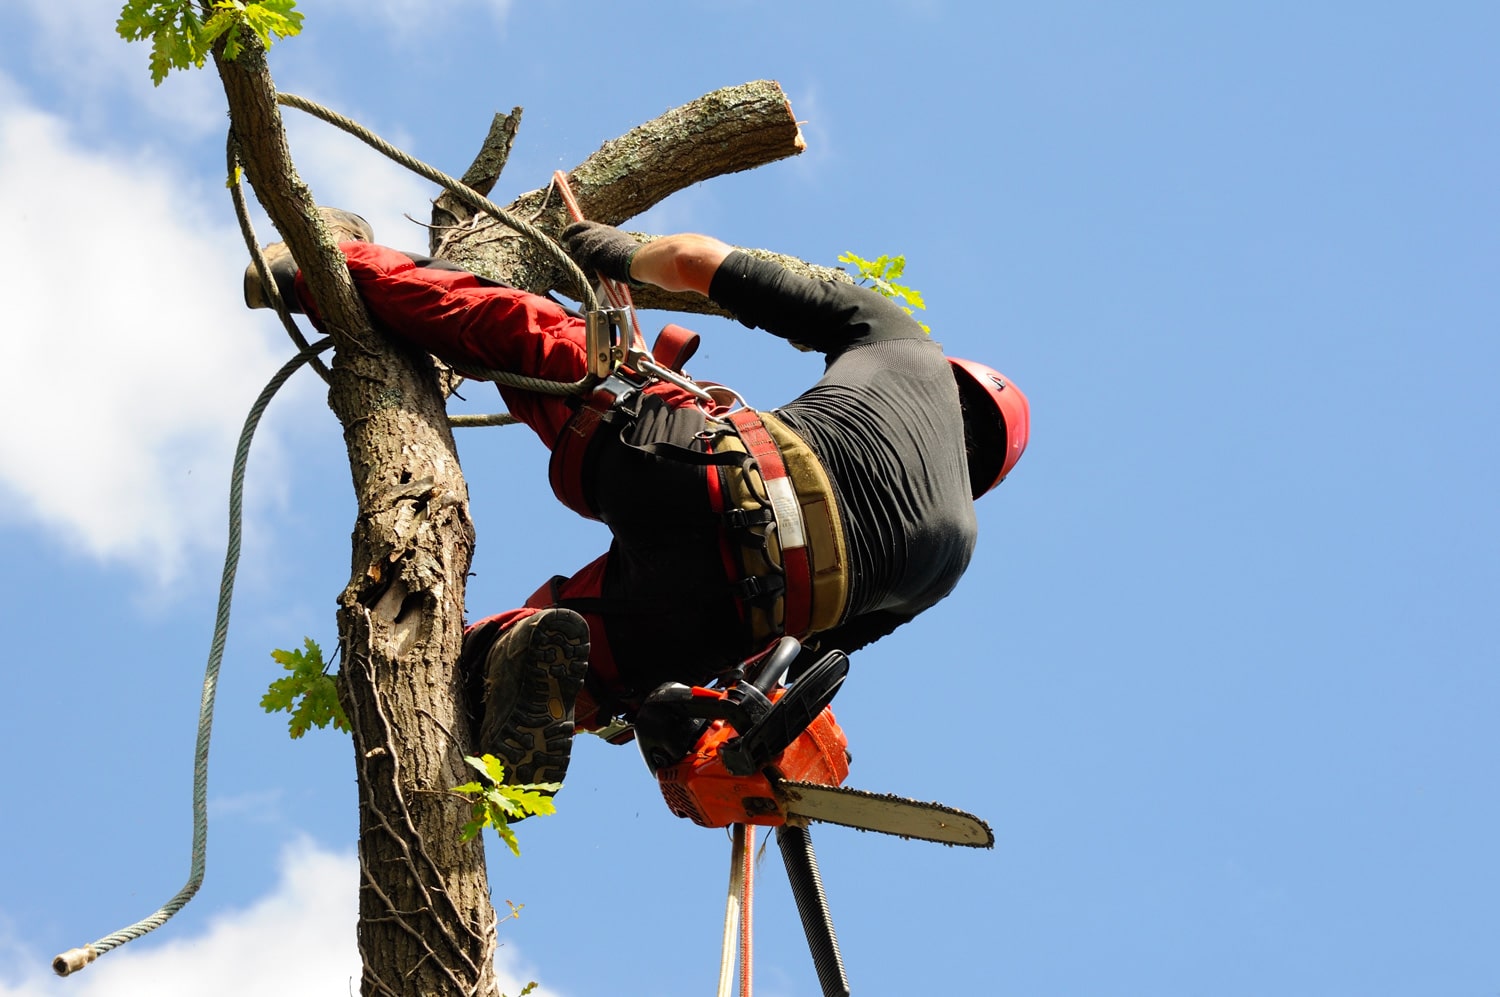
(819, 315)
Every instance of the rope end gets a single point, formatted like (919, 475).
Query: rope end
(73, 960)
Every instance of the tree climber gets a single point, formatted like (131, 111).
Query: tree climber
(834, 518)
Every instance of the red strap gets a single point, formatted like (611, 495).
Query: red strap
(565, 469)
(570, 448)
(794, 559)
(674, 346)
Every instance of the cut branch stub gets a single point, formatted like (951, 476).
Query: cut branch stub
(481, 175)
(727, 131)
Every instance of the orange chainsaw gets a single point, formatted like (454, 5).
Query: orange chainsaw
(755, 751)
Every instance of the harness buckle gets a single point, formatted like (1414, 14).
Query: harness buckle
(755, 587)
(742, 519)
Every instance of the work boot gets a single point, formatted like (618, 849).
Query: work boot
(344, 226)
(533, 673)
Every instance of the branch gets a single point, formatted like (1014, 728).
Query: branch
(448, 211)
(727, 131)
(256, 122)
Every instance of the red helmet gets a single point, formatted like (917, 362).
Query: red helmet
(997, 422)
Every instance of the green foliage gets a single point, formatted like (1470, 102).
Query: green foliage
(309, 693)
(496, 805)
(881, 274)
(181, 38)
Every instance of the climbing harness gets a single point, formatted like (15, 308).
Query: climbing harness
(791, 566)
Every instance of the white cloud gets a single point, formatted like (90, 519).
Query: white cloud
(344, 172)
(84, 58)
(129, 360)
(298, 939)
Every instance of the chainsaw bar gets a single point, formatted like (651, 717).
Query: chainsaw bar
(865, 811)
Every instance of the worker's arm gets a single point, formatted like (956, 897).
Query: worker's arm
(819, 315)
(684, 262)
(674, 263)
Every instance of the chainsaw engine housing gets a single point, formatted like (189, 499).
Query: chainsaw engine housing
(701, 788)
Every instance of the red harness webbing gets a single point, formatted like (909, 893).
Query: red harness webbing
(565, 469)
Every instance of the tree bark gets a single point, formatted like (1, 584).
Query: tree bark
(426, 923)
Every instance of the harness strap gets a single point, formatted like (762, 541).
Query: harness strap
(570, 449)
(783, 497)
(674, 346)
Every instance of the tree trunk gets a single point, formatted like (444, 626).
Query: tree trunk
(426, 923)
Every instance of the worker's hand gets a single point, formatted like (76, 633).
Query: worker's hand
(602, 249)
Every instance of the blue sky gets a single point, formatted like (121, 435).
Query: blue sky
(1222, 677)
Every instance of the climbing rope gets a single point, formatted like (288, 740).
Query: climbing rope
(747, 905)
(733, 907)
(739, 910)
(75, 959)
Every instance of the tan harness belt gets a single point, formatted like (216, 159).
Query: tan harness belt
(804, 541)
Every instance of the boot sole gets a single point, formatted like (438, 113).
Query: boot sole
(535, 742)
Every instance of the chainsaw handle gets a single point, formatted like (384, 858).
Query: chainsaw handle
(674, 716)
(776, 664)
(788, 717)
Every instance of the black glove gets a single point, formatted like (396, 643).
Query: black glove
(598, 248)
